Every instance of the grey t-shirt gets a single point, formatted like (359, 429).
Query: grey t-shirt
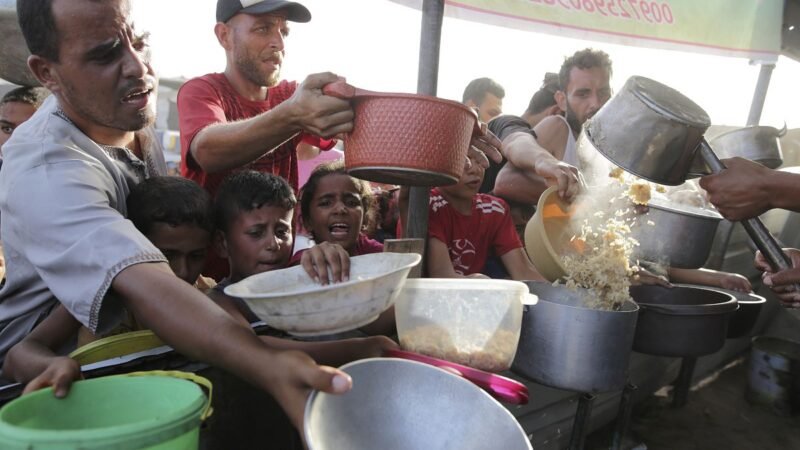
(65, 235)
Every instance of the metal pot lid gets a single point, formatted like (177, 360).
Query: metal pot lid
(668, 102)
(502, 388)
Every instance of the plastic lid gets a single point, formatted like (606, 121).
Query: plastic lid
(502, 388)
(668, 102)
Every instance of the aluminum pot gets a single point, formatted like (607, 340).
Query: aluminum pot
(757, 143)
(566, 345)
(681, 321)
(650, 130)
(397, 404)
(408, 139)
(677, 237)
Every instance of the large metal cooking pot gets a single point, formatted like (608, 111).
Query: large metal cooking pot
(396, 404)
(744, 319)
(566, 345)
(677, 237)
(407, 139)
(757, 143)
(681, 321)
(656, 133)
(14, 52)
(650, 130)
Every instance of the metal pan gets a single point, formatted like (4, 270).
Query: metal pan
(650, 130)
(681, 321)
(757, 143)
(397, 404)
(566, 345)
(678, 236)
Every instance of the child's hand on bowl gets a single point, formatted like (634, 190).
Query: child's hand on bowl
(326, 263)
(60, 374)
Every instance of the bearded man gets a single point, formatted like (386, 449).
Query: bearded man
(584, 87)
(245, 118)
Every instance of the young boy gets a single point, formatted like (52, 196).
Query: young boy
(465, 228)
(253, 215)
(175, 214)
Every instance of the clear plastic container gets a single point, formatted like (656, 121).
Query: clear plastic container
(471, 322)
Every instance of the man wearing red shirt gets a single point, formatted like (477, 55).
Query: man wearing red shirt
(246, 118)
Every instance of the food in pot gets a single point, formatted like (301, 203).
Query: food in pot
(492, 353)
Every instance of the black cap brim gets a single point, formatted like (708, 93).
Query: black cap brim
(295, 12)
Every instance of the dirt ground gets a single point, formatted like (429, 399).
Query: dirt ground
(716, 416)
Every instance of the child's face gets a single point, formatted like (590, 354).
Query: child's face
(258, 241)
(469, 183)
(337, 212)
(185, 247)
(12, 114)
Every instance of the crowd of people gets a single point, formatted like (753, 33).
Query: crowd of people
(98, 240)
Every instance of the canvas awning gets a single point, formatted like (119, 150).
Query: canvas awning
(748, 29)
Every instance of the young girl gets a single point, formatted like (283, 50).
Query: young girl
(337, 208)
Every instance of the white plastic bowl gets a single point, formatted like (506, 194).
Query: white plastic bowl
(291, 301)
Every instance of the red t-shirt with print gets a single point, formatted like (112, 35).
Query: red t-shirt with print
(211, 99)
(471, 239)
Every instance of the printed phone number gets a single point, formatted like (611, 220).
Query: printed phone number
(641, 10)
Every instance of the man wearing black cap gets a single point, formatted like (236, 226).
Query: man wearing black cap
(245, 117)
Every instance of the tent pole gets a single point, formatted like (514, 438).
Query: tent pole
(760, 94)
(427, 78)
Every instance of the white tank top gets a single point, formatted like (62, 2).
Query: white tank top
(570, 153)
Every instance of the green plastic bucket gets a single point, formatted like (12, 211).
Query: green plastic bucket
(157, 412)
